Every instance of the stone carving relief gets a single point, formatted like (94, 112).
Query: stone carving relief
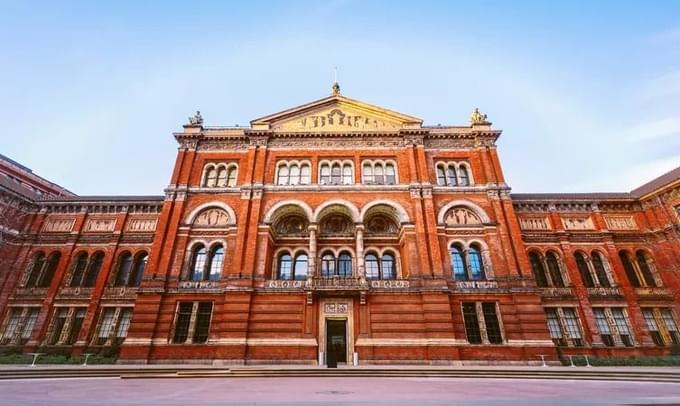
(620, 223)
(141, 225)
(335, 308)
(391, 284)
(380, 224)
(58, 225)
(212, 218)
(336, 119)
(578, 223)
(100, 225)
(461, 216)
(336, 224)
(291, 225)
(534, 223)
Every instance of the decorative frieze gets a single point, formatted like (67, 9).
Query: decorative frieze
(284, 284)
(476, 284)
(141, 225)
(620, 222)
(578, 223)
(534, 223)
(58, 225)
(336, 308)
(99, 225)
(198, 285)
(391, 284)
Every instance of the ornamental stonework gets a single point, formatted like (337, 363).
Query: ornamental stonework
(336, 119)
(335, 308)
(460, 216)
(578, 223)
(100, 225)
(620, 222)
(58, 225)
(141, 225)
(212, 218)
(534, 223)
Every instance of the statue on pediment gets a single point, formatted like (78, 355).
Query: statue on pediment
(196, 119)
(461, 216)
(478, 118)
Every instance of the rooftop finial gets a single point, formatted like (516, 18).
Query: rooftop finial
(197, 119)
(336, 85)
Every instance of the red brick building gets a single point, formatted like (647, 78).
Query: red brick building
(344, 230)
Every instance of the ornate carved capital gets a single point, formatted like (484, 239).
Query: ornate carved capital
(258, 140)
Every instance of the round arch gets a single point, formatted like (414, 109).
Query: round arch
(353, 211)
(195, 212)
(269, 216)
(464, 203)
(401, 212)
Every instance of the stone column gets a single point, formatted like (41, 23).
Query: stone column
(312, 251)
(360, 251)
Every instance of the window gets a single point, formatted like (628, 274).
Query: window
(379, 173)
(573, 328)
(600, 271)
(11, 327)
(652, 326)
(380, 267)
(76, 324)
(198, 260)
(123, 324)
(206, 264)
(29, 324)
(645, 270)
(554, 269)
(138, 268)
(36, 268)
(467, 264)
(584, 270)
(58, 325)
(630, 270)
(46, 276)
(328, 265)
(106, 325)
(671, 326)
(537, 269)
(93, 269)
(124, 267)
(564, 326)
(202, 322)
(300, 270)
(220, 175)
(458, 263)
(341, 267)
(345, 265)
(325, 178)
(336, 174)
(472, 331)
(198, 331)
(285, 267)
(493, 328)
(293, 173)
(79, 270)
(613, 326)
(216, 261)
(554, 327)
(453, 174)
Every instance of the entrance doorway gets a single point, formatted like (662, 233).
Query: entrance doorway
(336, 339)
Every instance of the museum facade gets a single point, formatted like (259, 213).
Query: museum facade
(339, 230)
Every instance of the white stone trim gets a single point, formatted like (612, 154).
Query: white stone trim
(196, 211)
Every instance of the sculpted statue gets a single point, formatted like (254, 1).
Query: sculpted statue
(477, 118)
(197, 119)
(460, 216)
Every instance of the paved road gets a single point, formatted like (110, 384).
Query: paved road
(332, 391)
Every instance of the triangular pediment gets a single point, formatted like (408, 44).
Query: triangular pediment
(336, 113)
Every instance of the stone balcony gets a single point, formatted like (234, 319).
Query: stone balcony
(558, 293)
(605, 293)
(654, 293)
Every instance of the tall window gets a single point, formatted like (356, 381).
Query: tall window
(441, 175)
(19, 325)
(537, 269)
(472, 330)
(328, 265)
(336, 174)
(584, 270)
(600, 271)
(292, 173)
(198, 259)
(367, 173)
(463, 174)
(345, 265)
(451, 177)
(186, 332)
(564, 326)
(613, 326)
(453, 174)
(79, 268)
(124, 268)
(216, 262)
(300, 270)
(493, 328)
(219, 175)
(467, 264)
(661, 325)
(482, 324)
(203, 315)
(285, 268)
(76, 325)
(42, 271)
(282, 176)
(652, 326)
(325, 177)
(554, 269)
(458, 263)
(184, 311)
(290, 268)
(645, 270)
(622, 326)
(60, 316)
(379, 173)
(476, 265)
(93, 269)
(630, 270)
(380, 267)
(138, 268)
(36, 268)
(206, 264)
(603, 326)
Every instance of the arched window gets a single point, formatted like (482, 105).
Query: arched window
(368, 173)
(328, 265)
(216, 262)
(347, 174)
(630, 269)
(600, 271)
(294, 175)
(222, 177)
(389, 270)
(300, 271)
(458, 263)
(305, 175)
(285, 268)
(441, 176)
(554, 269)
(464, 177)
(476, 263)
(390, 174)
(124, 267)
(646, 272)
(538, 270)
(36, 267)
(451, 179)
(336, 174)
(325, 174)
(345, 265)
(198, 259)
(378, 174)
(211, 179)
(93, 269)
(79, 268)
(51, 267)
(282, 176)
(231, 178)
(584, 271)
(372, 267)
(138, 269)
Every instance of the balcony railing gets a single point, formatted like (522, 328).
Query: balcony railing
(605, 293)
(653, 293)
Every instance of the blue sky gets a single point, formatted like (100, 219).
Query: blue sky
(588, 95)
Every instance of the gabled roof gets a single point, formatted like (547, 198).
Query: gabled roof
(657, 183)
(336, 112)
